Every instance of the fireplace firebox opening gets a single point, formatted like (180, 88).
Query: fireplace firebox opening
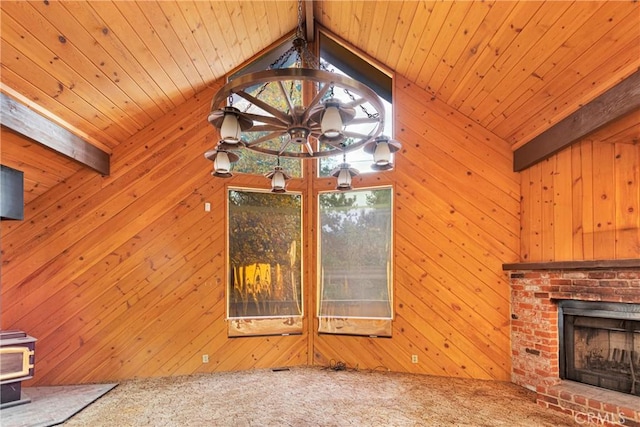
(600, 344)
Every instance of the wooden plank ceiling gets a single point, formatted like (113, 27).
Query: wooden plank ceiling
(107, 69)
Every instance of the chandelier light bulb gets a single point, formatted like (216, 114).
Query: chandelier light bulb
(230, 130)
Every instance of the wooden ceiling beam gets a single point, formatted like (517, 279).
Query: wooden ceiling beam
(25, 121)
(620, 100)
(309, 21)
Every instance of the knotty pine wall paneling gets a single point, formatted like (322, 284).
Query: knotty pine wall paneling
(124, 276)
(42, 170)
(584, 202)
(456, 222)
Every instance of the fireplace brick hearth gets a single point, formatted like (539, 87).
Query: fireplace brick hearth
(535, 291)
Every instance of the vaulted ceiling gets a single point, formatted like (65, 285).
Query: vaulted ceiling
(107, 69)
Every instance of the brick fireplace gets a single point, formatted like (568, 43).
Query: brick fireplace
(536, 292)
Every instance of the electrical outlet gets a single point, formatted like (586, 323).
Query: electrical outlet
(414, 358)
(205, 358)
(207, 207)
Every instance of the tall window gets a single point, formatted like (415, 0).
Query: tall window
(264, 294)
(355, 266)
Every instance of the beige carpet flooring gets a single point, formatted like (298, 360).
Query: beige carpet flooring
(307, 396)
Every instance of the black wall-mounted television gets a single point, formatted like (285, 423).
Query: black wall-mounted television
(11, 193)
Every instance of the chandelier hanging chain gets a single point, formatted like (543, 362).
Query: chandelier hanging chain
(282, 59)
(362, 107)
(299, 32)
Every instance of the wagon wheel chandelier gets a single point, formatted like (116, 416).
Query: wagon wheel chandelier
(266, 112)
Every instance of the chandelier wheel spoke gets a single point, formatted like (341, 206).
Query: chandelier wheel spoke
(264, 138)
(267, 128)
(286, 96)
(269, 120)
(266, 107)
(315, 103)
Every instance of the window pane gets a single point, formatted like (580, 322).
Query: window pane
(265, 267)
(252, 162)
(337, 59)
(355, 255)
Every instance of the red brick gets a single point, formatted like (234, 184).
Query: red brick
(574, 275)
(543, 403)
(629, 423)
(523, 306)
(628, 274)
(565, 395)
(613, 284)
(548, 399)
(585, 283)
(560, 282)
(601, 275)
(629, 413)
(627, 291)
(573, 406)
(595, 404)
(581, 400)
(545, 334)
(541, 389)
(553, 392)
(546, 348)
(561, 295)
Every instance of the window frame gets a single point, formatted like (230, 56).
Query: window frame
(356, 326)
(238, 326)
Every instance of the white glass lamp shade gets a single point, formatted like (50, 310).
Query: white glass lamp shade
(230, 130)
(344, 179)
(222, 164)
(278, 182)
(278, 179)
(382, 154)
(331, 125)
(344, 173)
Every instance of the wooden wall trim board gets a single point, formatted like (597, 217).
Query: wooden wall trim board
(604, 264)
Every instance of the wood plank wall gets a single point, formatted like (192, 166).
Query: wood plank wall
(43, 169)
(584, 202)
(123, 276)
(456, 222)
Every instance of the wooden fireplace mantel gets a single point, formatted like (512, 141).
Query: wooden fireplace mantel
(574, 265)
